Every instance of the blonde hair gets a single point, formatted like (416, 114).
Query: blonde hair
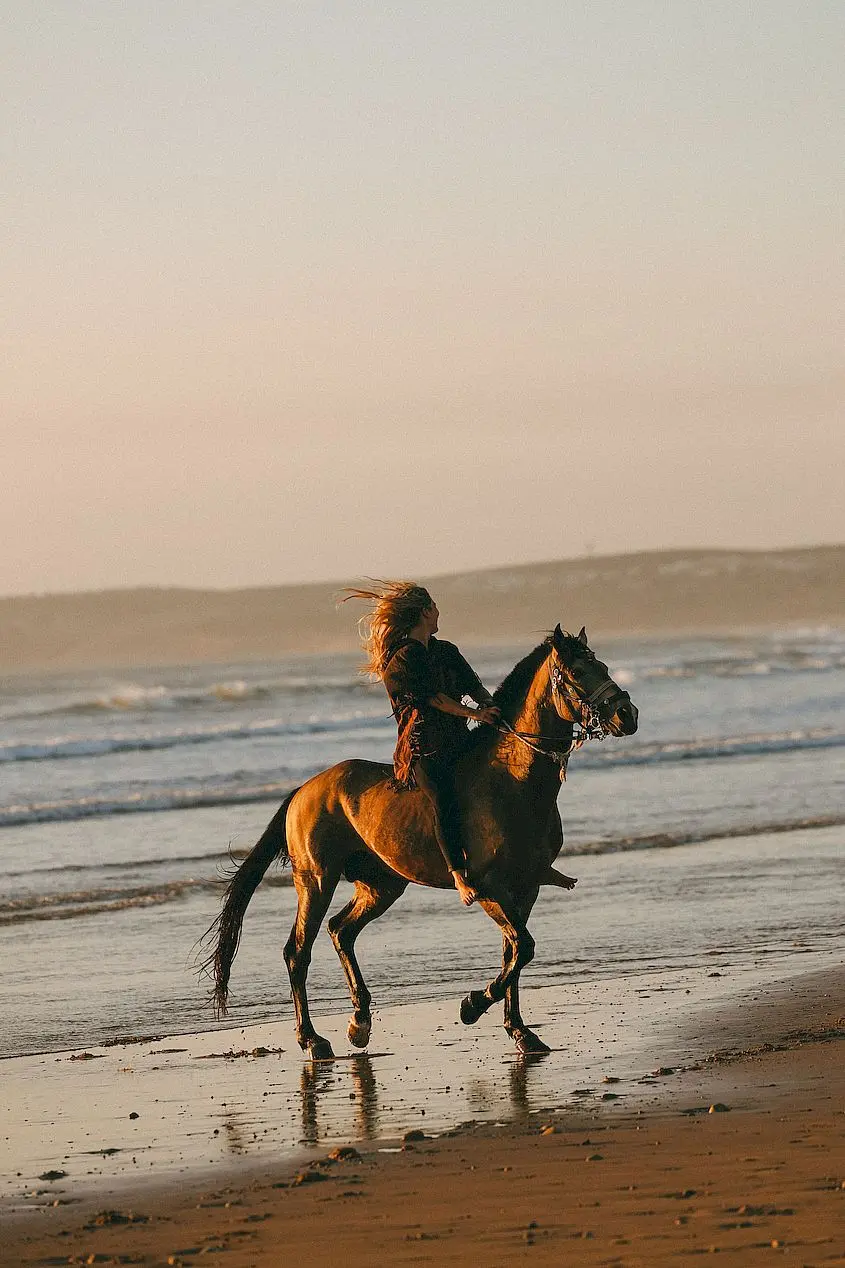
(397, 607)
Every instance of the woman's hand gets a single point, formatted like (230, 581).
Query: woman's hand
(488, 713)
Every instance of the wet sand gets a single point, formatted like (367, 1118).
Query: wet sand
(604, 1152)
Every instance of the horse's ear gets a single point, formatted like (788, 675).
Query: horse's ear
(557, 637)
(582, 636)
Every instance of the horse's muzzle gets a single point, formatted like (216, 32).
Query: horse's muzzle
(624, 719)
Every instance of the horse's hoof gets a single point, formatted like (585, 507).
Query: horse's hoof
(473, 1006)
(359, 1033)
(320, 1050)
(530, 1045)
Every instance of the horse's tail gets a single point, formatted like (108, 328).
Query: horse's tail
(226, 929)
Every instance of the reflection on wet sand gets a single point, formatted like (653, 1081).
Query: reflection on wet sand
(236, 1129)
(486, 1096)
(324, 1100)
(319, 1078)
(519, 1080)
(344, 1099)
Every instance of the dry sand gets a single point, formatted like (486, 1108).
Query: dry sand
(650, 1178)
(614, 596)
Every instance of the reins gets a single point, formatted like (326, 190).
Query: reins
(590, 729)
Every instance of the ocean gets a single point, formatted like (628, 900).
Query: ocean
(716, 831)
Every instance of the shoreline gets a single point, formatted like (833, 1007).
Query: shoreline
(471, 1182)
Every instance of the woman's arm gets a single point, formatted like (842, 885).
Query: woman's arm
(488, 714)
(466, 680)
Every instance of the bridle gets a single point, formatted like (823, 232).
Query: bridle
(585, 718)
(586, 706)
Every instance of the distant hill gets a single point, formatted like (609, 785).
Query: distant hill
(662, 592)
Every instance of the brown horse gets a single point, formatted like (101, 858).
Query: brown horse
(349, 821)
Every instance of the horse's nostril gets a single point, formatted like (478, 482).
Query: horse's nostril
(626, 716)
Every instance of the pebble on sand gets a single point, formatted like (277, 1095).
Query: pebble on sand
(307, 1177)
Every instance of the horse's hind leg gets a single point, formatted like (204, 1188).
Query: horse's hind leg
(314, 893)
(372, 899)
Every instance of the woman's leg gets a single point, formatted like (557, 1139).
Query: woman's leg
(435, 780)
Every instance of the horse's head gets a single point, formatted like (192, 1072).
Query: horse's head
(581, 683)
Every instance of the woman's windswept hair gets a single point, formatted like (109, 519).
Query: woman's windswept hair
(396, 607)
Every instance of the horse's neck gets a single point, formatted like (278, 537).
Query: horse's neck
(533, 717)
(530, 714)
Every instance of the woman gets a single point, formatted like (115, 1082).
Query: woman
(426, 679)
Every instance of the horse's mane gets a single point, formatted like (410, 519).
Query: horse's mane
(514, 688)
(511, 692)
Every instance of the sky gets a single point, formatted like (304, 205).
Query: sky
(302, 292)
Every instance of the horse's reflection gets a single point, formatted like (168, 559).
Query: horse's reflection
(235, 1126)
(316, 1078)
(484, 1096)
(519, 1081)
(319, 1078)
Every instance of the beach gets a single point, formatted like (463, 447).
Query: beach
(711, 1123)
(423, 465)
(697, 962)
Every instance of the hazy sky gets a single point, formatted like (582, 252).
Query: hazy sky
(306, 291)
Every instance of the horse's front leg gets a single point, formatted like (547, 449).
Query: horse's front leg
(517, 951)
(526, 1040)
(475, 1005)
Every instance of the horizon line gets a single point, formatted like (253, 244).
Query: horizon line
(161, 588)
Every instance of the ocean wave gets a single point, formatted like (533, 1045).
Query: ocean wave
(821, 652)
(67, 905)
(761, 665)
(148, 801)
(67, 747)
(710, 748)
(164, 698)
(101, 900)
(122, 865)
(97, 902)
(235, 791)
(671, 840)
(70, 747)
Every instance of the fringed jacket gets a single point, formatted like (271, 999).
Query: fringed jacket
(413, 675)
